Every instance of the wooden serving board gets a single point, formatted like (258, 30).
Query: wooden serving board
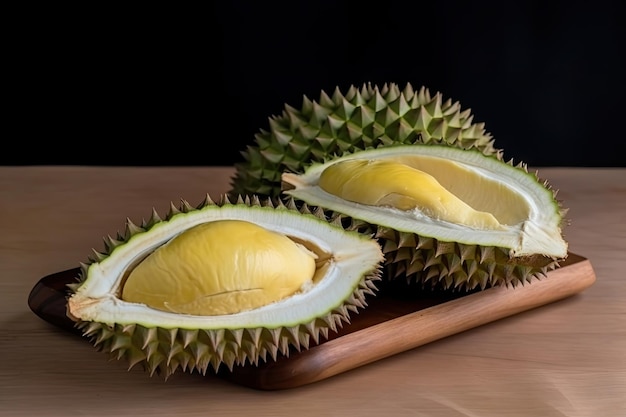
(391, 323)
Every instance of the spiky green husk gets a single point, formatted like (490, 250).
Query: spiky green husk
(436, 264)
(426, 263)
(161, 350)
(362, 118)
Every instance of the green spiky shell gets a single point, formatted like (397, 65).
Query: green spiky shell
(426, 259)
(362, 118)
(134, 333)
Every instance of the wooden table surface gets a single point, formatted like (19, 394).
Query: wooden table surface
(566, 358)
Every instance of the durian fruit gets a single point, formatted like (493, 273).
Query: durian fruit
(446, 217)
(222, 284)
(367, 117)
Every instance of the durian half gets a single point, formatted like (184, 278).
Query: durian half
(224, 283)
(446, 217)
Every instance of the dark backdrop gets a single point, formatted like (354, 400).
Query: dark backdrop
(192, 87)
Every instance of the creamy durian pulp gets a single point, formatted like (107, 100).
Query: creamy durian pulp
(396, 183)
(221, 267)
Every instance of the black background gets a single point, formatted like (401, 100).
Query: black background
(163, 86)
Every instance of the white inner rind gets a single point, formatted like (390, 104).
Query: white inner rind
(539, 233)
(353, 256)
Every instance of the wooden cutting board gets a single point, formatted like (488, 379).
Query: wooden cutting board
(391, 323)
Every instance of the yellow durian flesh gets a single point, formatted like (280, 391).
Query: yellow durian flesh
(389, 182)
(221, 267)
(482, 190)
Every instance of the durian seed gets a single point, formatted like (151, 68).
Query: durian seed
(221, 267)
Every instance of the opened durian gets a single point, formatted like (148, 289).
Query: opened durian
(446, 217)
(362, 118)
(224, 283)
